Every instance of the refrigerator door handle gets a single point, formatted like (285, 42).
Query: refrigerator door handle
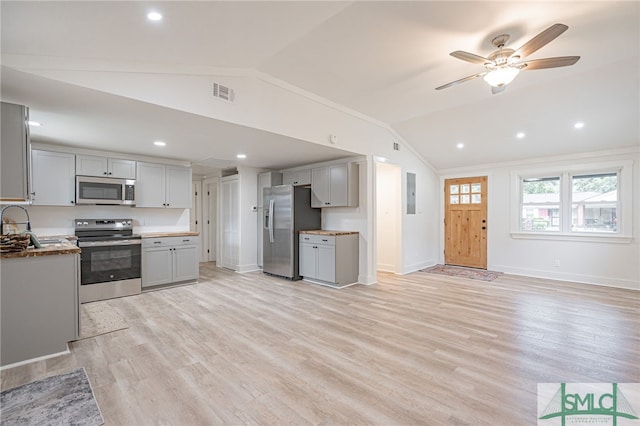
(270, 220)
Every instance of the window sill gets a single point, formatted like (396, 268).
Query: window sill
(558, 236)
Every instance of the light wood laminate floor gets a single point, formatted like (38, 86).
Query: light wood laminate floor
(415, 349)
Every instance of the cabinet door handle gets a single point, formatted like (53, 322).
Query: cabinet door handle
(104, 173)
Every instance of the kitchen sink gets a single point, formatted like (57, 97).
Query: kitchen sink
(50, 241)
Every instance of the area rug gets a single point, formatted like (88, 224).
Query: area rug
(459, 271)
(98, 318)
(66, 399)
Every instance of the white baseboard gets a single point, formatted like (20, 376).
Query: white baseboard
(417, 266)
(386, 267)
(573, 277)
(366, 279)
(40, 358)
(248, 268)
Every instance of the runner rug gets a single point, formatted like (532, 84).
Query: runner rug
(459, 271)
(66, 399)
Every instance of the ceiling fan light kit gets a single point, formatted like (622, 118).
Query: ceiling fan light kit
(504, 64)
(501, 76)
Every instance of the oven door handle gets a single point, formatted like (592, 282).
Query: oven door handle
(109, 243)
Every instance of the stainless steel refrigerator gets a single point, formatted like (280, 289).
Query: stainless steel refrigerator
(287, 211)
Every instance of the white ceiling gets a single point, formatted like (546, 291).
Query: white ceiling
(383, 59)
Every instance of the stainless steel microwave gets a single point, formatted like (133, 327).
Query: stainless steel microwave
(105, 190)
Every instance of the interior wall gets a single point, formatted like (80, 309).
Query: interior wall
(388, 216)
(587, 261)
(59, 220)
(420, 230)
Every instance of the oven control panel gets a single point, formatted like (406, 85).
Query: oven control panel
(103, 224)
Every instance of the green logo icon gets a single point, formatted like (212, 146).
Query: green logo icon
(590, 402)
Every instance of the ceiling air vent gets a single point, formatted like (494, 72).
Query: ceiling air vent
(222, 92)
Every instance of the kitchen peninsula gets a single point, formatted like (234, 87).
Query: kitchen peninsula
(39, 301)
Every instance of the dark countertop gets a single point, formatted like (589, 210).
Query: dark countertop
(64, 247)
(169, 234)
(329, 233)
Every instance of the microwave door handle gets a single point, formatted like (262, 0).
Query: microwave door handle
(271, 213)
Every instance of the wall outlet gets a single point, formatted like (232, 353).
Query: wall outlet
(556, 263)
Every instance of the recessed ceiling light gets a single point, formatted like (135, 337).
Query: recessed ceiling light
(241, 156)
(34, 123)
(460, 145)
(520, 135)
(154, 16)
(579, 125)
(159, 143)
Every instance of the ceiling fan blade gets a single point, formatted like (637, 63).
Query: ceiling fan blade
(470, 57)
(540, 40)
(499, 89)
(462, 80)
(538, 64)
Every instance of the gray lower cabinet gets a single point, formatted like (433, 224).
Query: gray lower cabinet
(169, 260)
(40, 306)
(331, 260)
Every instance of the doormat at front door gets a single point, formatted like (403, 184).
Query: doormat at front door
(66, 399)
(459, 271)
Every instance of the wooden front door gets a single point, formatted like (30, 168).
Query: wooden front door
(465, 223)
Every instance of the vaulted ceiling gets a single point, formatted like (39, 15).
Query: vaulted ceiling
(382, 59)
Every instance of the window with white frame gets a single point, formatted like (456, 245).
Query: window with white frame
(581, 201)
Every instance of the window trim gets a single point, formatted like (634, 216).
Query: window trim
(624, 169)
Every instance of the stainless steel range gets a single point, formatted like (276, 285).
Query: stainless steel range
(110, 259)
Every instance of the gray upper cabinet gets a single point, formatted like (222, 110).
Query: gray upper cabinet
(91, 165)
(53, 178)
(163, 186)
(335, 185)
(14, 153)
(297, 177)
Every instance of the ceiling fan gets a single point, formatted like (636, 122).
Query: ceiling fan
(504, 64)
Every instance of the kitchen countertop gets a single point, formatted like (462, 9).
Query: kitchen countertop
(169, 234)
(329, 233)
(64, 247)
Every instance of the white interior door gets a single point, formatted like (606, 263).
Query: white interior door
(196, 215)
(388, 217)
(209, 238)
(229, 223)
